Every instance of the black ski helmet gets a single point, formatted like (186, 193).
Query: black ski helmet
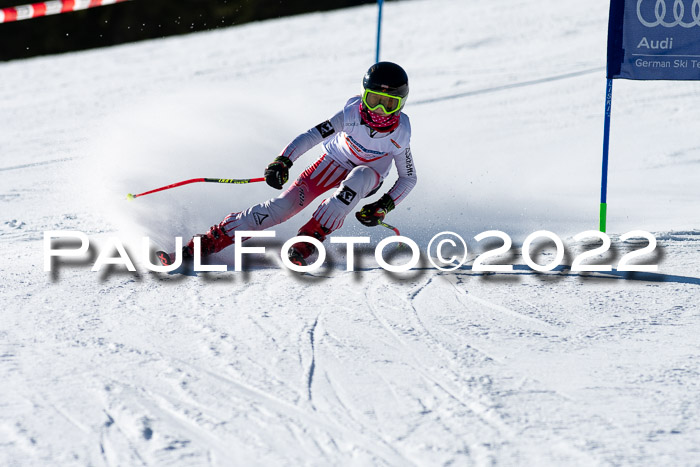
(387, 77)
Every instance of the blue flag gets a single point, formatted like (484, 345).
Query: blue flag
(654, 39)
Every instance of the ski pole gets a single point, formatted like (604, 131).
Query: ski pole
(131, 197)
(399, 246)
(389, 226)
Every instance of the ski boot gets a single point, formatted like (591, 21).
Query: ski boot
(300, 251)
(212, 242)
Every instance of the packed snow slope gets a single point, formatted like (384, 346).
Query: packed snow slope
(265, 367)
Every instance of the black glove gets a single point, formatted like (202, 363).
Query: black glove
(277, 173)
(373, 213)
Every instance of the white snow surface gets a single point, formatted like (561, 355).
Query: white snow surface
(266, 367)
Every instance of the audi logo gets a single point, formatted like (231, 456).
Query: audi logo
(661, 9)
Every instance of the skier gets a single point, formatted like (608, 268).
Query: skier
(359, 142)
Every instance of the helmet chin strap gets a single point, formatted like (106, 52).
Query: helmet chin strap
(381, 123)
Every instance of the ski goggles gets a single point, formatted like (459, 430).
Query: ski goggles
(388, 103)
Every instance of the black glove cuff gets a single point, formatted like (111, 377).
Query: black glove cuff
(386, 202)
(284, 160)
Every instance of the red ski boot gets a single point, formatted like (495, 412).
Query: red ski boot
(212, 242)
(300, 251)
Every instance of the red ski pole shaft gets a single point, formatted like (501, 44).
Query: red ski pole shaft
(396, 231)
(238, 181)
(389, 226)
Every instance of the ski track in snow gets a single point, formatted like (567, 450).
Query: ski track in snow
(267, 367)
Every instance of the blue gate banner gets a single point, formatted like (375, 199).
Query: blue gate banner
(654, 39)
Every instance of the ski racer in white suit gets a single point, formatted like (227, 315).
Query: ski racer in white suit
(360, 144)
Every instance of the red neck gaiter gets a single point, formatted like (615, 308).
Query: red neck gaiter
(383, 123)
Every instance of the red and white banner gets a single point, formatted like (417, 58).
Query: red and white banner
(53, 7)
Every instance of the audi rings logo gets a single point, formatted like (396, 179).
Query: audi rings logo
(679, 14)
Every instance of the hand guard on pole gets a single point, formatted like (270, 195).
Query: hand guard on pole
(372, 214)
(277, 173)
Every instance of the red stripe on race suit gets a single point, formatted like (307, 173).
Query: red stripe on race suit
(351, 146)
(398, 198)
(309, 170)
(369, 160)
